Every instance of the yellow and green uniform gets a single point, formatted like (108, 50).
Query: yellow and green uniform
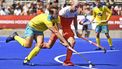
(42, 22)
(39, 24)
(99, 14)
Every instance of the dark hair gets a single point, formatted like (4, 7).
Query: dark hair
(51, 11)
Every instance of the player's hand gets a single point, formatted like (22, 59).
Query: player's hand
(78, 34)
(80, 23)
(66, 44)
(103, 21)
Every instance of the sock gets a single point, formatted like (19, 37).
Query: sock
(33, 53)
(98, 41)
(110, 41)
(68, 55)
(20, 40)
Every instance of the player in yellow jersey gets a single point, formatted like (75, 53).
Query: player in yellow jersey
(35, 29)
(101, 15)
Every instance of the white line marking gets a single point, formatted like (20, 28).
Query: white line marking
(86, 67)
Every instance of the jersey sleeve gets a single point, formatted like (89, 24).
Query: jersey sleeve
(48, 22)
(63, 11)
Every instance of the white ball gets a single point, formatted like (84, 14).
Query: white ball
(90, 66)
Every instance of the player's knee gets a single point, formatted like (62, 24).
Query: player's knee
(73, 43)
(97, 35)
(49, 47)
(27, 45)
(107, 35)
(39, 45)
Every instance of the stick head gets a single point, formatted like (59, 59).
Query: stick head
(104, 50)
(90, 66)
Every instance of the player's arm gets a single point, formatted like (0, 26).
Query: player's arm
(63, 11)
(56, 32)
(93, 15)
(53, 37)
(109, 12)
(51, 41)
(76, 27)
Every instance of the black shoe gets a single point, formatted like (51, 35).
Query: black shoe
(11, 37)
(104, 50)
(98, 48)
(27, 62)
(111, 48)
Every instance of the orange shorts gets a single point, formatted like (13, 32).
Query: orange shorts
(68, 33)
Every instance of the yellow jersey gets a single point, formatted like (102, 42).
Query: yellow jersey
(102, 13)
(42, 22)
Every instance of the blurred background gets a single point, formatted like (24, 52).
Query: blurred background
(15, 14)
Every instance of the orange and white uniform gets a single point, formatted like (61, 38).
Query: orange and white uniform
(66, 18)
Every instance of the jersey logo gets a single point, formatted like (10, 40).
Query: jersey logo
(99, 14)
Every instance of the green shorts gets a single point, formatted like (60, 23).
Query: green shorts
(103, 29)
(29, 31)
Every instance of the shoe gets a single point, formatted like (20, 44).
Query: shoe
(111, 48)
(104, 50)
(98, 48)
(69, 63)
(27, 62)
(11, 37)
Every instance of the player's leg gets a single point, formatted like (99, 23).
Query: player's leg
(67, 61)
(35, 51)
(83, 31)
(106, 31)
(86, 31)
(70, 38)
(51, 41)
(25, 42)
(98, 30)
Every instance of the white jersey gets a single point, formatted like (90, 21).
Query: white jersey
(65, 12)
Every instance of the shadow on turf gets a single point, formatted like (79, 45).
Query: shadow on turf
(48, 64)
(97, 64)
(11, 59)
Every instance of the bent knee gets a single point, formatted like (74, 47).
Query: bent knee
(27, 45)
(39, 45)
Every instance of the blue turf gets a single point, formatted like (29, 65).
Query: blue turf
(12, 55)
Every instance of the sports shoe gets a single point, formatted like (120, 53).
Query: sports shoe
(111, 48)
(11, 37)
(104, 50)
(98, 48)
(27, 62)
(68, 63)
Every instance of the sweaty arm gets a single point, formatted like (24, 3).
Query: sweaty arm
(93, 15)
(56, 32)
(109, 12)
